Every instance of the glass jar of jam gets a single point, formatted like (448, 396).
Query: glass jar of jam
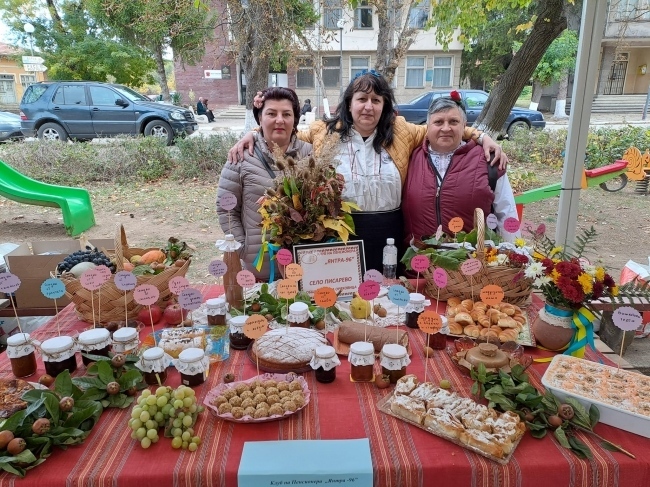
(238, 340)
(324, 364)
(125, 340)
(216, 309)
(95, 342)
(193, 366)
(394, 359)
(153, 363)
(438, 341)
(59, 355)
(20, 351)
(362, 362)
(299, 315)
(414, 309)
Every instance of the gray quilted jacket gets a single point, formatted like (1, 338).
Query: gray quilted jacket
(248, 180)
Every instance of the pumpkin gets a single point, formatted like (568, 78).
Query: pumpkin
(153, 256)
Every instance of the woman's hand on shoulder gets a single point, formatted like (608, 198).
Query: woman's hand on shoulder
(236, 153)
(500, 157)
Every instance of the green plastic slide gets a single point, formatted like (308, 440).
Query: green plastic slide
(75, 203)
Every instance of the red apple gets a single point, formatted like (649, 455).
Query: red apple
(174, 314)
(156, 314)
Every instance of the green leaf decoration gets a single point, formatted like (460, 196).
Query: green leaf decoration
(609, 446)
(538, 433)
(561, 437)
(579, 448)
(79, 417)
(63, 384)
(88, 382)
(105, 372)
(594, 416)
(52, 406)
(581, 416)
(129, 379)
(14, 421)
(94, 394)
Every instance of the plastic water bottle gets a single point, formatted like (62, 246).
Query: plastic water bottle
(390, 259)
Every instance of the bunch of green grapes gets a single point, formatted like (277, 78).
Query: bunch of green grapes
(183, 417)
(150, 413)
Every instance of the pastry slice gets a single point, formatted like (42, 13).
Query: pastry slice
(409, 409)
(424, 391)
(482, 441)
(405, 385)
(441, 422)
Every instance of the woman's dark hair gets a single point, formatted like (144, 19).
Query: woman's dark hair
(278, 93)
(366, 83)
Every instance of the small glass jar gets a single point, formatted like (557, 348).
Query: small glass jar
(394, 359)
(95, 342)
(238, 340)
(153, 363)
(20, 351)
(362, 362)
(324, 363)
(125, 340)
(193, 366)
(299, 315)
(216, 309)
(438, 341)
(59, 355)
(414, 309)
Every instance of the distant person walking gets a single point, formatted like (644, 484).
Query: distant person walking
(305, 108)
(202, 109)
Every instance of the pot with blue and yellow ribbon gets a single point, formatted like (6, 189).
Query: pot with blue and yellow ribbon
(562, 329)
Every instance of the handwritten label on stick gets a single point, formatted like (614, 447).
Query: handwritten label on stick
(626, 318)
(398, 295)
(146, 294)
(255, 326)
(325, 297)
(294, 271)
(492, 294)
(53, 288)
(373, 275)
(9, 283)
(511, 225)
(91, 280)
(104, 273)
(492, 221)
(190, 298)
(440, 277)
(470, 267)
(228, 201)
(456, 224)
(420, 263)
(178, 284)
(429, 322)
(245, 279)
(125, 280)
(287, 288)
(284, 257)
(217, 268)
(369, 290)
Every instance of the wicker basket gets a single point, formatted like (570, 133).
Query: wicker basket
(516, 287)
(112, 298)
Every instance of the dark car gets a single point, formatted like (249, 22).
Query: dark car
(84, 110)
(415, 111)
(10, 127)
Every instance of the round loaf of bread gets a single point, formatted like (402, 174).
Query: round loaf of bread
(287, 348)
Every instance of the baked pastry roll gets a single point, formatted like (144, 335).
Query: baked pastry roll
(406, 384)
(408, 408)
(443, 423)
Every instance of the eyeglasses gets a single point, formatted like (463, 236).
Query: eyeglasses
(365, 71)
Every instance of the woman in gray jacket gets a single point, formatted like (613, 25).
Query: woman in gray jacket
(278, 118)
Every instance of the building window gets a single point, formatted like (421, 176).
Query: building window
(442, 71)
(305, 75)
(632, 10)
(26, 80)
(363, 16)
(415, 67)
(7, 88)
(358, 64)
(332, 12)
(419, 15)
(331, 71)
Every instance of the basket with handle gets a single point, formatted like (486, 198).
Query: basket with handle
(516, 287)
(112, 306)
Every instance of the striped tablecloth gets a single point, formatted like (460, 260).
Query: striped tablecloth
(402, 455)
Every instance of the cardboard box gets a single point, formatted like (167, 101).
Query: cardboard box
(306, 462)
(33, 269)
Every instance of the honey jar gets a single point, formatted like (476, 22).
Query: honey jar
(193, 366)
(414, 309)
(362, 361)
(394, 359)
(95, 342)
(125, 340)
(59, 355)
(153, 364)
(324, 364)
(216, 309)
(238, 340)
(299, 315)
(20, 351)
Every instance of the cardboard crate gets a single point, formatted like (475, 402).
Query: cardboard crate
(33, 269)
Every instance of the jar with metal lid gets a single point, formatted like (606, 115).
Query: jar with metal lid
(95, 342)
(299, 315)
(216, 309)
(438, 341)
(324, 363)
(362, 362)
(238, 340)
(414, 309)
(59, 355)
(125, 340)
(393, 360)
(20, 350)
(153, 363)
(193, 366)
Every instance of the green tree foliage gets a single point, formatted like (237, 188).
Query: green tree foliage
(73, 45)
(559, 58)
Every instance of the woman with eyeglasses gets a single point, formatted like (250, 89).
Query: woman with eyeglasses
(375, 146)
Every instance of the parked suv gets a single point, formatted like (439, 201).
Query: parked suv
(83, 110)
(416, 110)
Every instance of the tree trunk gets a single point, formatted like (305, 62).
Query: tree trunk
(550, 23)
(160, 69)
(390, 54)
(536, 96)
(560, 103)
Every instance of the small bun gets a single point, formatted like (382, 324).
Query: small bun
(472, 331)
(468, 303)
(453, 302)
(455, 328)
(464, 319)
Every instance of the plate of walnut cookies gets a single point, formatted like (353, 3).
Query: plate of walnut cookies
(504, 322)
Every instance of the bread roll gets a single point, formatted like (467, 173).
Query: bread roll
(480, 305)
(472, 331)
(455, 328)
(468, 303)
(507, 308)
(508, 335)
(464, 319)
(493, 315)
(507, 323)
(350, 332)
(453, 302)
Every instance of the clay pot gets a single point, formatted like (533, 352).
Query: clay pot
(553, 336)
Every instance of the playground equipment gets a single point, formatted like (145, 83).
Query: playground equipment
(75, 203)
(638, 169)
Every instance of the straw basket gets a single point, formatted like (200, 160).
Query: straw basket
(112, 299)
(516, 287)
